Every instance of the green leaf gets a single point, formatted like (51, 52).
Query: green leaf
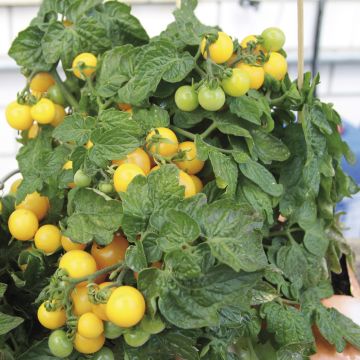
(151, 118)
(75, 128)
(262, 177)
(2, 289)
(231, 125)
(187, 120)
(319, 119)
(184, 264)
(8, 323)
(316, 241)
(79, 8)
(39, 351)
(135, 257)
(246, 108)
(27, 52)
(93, 218)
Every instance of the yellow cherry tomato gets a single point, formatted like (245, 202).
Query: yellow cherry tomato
(78, 263)
(138, 157)
(88, 346)
(237, 84)
(125, 307)
(162, 141)
(90, 326)
(276, 66)
(43, 111)
(68, 165)
(86, 60)
(198, 183)
(14, 186)
(69, 245)
(67, 23)
(36, 203)
(256, 74)
(89, 145)
(19, 116)
(41, 82)
(23, 224)
(192, 165)
(48, 238)
(51, 319)
(124, 175)
(33, 131)
(186, 181)
(59, 115)
(252, 38)
(80, 301)
(221, 50)
(100, 309)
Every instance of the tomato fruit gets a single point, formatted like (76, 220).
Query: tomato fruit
(43, 111)
(88, 346)
(48, 239)
(106, 187)
(41, 82)
(78, 263)
(18, 116)
(90, 326)
(33, 131)
(276, 66)
(273, 39)
(256, 74)
(69, 245)
(80, 301)
(186, 181)
(36, 203)
(104, 354)
(59, 115)
(252, 38)
(14, 186)
(100, 309)
(126, 306)
(237, 84)
(54, 93)
(162, 141)
(89, 145)
(192, 165)
(186, 98)
(59, 344)
(198, 183)
(81, 179)
(112, 331)
(23, 224)
(84, 65)
(136, 338)
(110, 254)
(138, 157)
(124, 107)
(221, 50)
(124, 175)
(211, 99)
(152, 326)
(68, 165)
(51, 319)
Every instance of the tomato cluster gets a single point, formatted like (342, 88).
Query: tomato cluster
(245, 67)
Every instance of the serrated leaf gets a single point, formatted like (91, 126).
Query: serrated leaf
(246, 108)
(8, 323)
(151, 118)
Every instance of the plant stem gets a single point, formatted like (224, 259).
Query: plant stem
(208, 131)
(284, 232)
(67, 94)
(201, 72)
(277, 101)
(183, 132)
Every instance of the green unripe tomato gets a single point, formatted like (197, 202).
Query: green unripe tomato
(112, 331)
(273, 39)
(186, 98)
(136, 338)
(237, 84)
(59, 344)
(81, 179)
(211, 99)
(152, 326)
(55, 94)
(106, 187)
(104, 354)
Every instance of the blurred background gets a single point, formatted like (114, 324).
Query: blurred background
(332, 46)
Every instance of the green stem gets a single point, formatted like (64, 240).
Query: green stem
(290, 302)
(200, 71)
(208, 131)
(277, 101)
(251, 349)
(183, 132)
(300, 116)
(67, 94)
(14, 342)
(284, 232)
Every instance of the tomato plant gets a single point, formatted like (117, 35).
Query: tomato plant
(221, 175)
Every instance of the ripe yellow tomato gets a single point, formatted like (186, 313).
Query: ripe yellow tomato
(256, 74)
(48, 238)
(80, 301)
(252, 38)
(78, 263)
(68, 165)
(59, 115)
(51, 319)
(162, 141)
(192, 165)
(89, 145)
(237, 84)
(14, 186)
(36, 203)
(276, 66)
(125, 307)
(88, 346)
(33, 131)
(124, 175)
(100, 309)
(41, 82)
(23, 224)
(221, 50)
(138, 157)
(69, 245)
(110, 254)
(198, 183)
(88, 61)
(186, 180)
(43, 111)
(90, 326)
(19, 116)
